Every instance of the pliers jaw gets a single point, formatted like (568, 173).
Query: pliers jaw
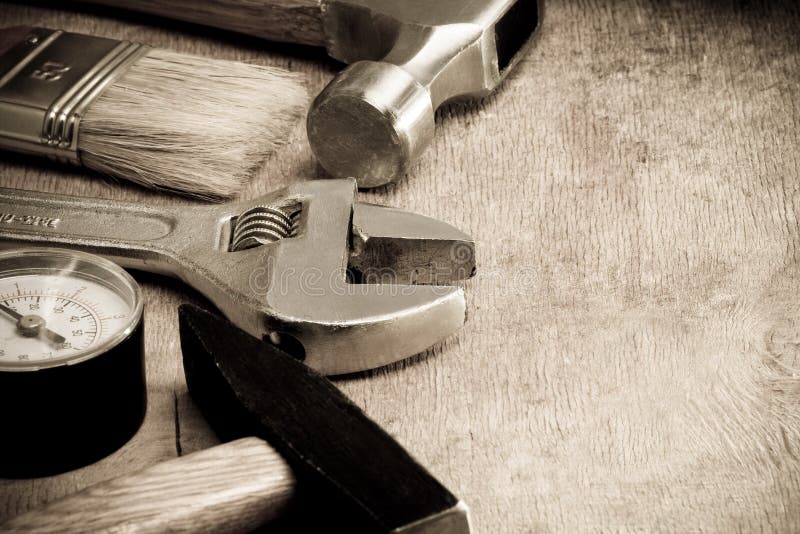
(358, 286)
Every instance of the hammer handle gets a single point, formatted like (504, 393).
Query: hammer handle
(230, 488)
(289, 21)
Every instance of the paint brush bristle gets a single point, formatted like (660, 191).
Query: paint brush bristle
(190, 124)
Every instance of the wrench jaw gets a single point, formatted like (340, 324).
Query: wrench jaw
(371, 326)
(348, 286)
(352, 286)
(393, 246)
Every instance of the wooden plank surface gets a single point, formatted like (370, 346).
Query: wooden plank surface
(632, 355)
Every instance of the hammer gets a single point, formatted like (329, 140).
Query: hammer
(328, 454)
(406, 59)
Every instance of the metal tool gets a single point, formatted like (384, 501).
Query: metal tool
(337, 282)
(334, 468)
(47, 82)
(407, 59)
(71, 360)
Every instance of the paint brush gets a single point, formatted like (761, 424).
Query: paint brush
(163, 119)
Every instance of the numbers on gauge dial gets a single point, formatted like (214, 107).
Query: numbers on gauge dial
(53, 317)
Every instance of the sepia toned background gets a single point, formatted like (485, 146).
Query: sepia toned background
(631, 359)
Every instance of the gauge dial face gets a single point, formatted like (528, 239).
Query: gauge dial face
(54, 312)
(47, 317)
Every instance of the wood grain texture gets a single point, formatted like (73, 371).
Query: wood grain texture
(631, 356)
(230, 488)
(290, 21)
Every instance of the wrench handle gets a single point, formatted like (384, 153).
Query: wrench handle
(121, 231)
(229, 488)
(289, 21)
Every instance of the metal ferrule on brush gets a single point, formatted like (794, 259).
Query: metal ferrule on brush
(47, 82)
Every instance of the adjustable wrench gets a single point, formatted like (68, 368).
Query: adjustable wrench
(346, 286)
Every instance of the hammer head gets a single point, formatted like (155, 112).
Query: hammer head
(407, 58)
(349, 467)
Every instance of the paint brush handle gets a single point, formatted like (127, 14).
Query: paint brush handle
(230, 488)
(290, 21)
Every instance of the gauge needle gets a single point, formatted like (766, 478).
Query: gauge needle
(46, 332)
(14, 314)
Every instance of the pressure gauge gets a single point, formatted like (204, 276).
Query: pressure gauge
(72, 386)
